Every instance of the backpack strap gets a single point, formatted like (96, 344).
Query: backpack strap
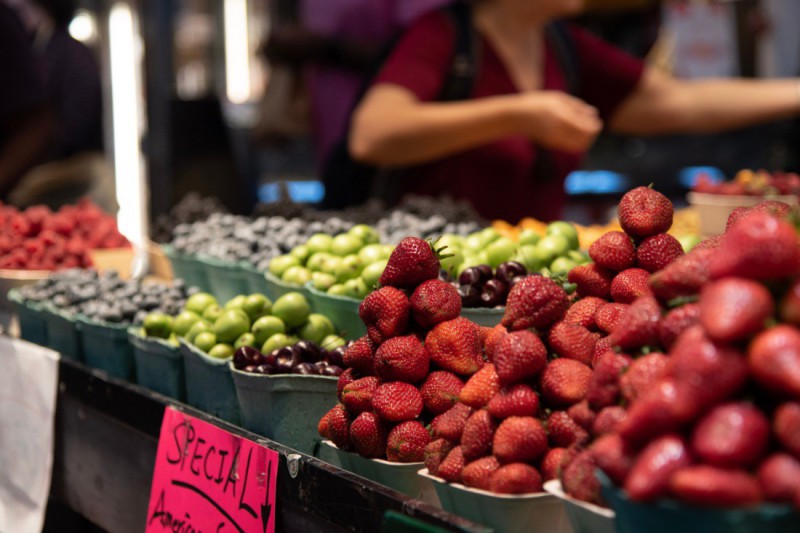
(460, 79)
(563, 46)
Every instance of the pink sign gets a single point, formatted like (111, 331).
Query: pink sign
(207, 480)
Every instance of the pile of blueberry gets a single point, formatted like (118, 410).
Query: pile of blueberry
(304, 358)
(192, 208)
(479, 286)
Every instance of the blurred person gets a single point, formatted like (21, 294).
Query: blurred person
(488, 149)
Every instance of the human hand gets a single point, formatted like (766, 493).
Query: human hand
(557, 120)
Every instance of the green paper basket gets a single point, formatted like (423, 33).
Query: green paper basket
(585, 517)
(159, 365)
(276, 287)
(209, 384)
(188, 268)
(256, 283)
(225, 280)
(285, 408)
(32, 326)
(62, 333)
(484, 316)
(106, 347)
(342, 310)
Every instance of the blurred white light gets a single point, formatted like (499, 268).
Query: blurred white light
(83, 27)
(237, 51)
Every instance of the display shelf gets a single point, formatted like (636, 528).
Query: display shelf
(106, 440)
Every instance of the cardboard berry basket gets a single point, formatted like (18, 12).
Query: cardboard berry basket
(209, 383)
(32, 326)
(665, 515)
(285, 407)
(106, 347)
(256, 282)
(226, 280)
(537, 512)
(62, 333)
(276, 287)
(585, 517)
(714, 209)
(342, 310)
(188, 268)
(159, 364)
(484, 316)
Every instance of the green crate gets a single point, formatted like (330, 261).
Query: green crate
(276, 287)
(32, 326)
(159, 365)
(484, 316)
(106, 347)
(209, 384)
(256, 282)
(225, 280)
(62, 333)
(342, 310)
(189, 268)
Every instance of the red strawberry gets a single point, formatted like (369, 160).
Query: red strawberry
(450, 469)
(638, 327)
(779, 478)
(773, 207)
(582, 312)
(402, 359)
(711, 243)
(774, 359)
(406, 442)
(554, 461)
(608, 419)
(476, 440)
(339, 427)
(357, 396)
(650, 474)
(658, 251)
(644, 211)
(435, 301)
(565, 382)
(578, 478)
(492, 341)
(359, 356)
(591, 280)
(602, 347)
(661, 409)
(614, 251)
(515, 478)
(323, 427)
(440, 391)
(368, 435)
(572, 341)
(345, 378)
(731, 435)
(412, 262)
(683, 277)
(515, 400)
(732, 309)
(397, 401)
(786, 426)
(612, 456)
(604, 384)
(385, 312)
(607, 316)
(450, 424)
(519, 439)
(434, 454)
(477, 473)
(760, 246)
(642, 375)
(676, 321)
(630, 284)
(563, 431)
(789, 307)
(455, 345)
(535, 302)
(519, 356)
(480, 388)
(715, 487)
(582, 414)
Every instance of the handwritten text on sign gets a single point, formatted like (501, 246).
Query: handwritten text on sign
(207, 480)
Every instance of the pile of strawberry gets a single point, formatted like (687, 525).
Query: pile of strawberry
(39, 239)
(411, 364)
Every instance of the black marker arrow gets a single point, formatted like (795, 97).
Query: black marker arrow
(266, 508)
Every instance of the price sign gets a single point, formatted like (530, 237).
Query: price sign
(208, 480)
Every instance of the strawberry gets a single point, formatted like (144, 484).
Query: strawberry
(629, 285)
(535, 302)
(607, 316)
(578, 479)
(612, 456)
(563, 431)
(385, 312)
(554, 461)
(455, 345)
(368, 435)
(412, 262)
(604, 384)
(435, 301)
(660, 410)
(515, 478)
(772, 207)
(402, 359)
(514, 400)
(519, 439)
(789, 306)
(786, 427)
(683, 277)
(649, 477)
(591, 280)
(345, 378)
(440, 391)
(774, 359)
(478, 473)
(613, 251)
(324, 427)
(642, 374)
(357, 396)
(638, 327)
(572, 341)
(608, 419)
(732, 309)
(657, 251)
(406, 442)
(582, 312)
(339, 427)
(582, 414)
(676, 321)
(760, 246)
(601, 347)
(434, 454)
(565, 382)
(715, 487)
(519, 356)
(450, 424)
(397, 401)
(480, 388)
(731, 435)
(711, 243)
(476, 440)
(450, 469)
(492, 341)
(359, 356)
(779, 478)
(644, 211)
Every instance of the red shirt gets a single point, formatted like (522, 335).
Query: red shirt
(498, 178)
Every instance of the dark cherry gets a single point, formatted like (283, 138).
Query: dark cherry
(444, 275)
(250, 368)
(244, 356)
(336, 356)
(270, 359)
(514, 281)
(470, 295)
(509, 270)
(494, 293)
(305, 369)
(475, 275)
(331, 370)
(290, 353)
(310, 352)
(264, 369)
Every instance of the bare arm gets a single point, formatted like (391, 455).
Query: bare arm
(662, 104)
(392, 127)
